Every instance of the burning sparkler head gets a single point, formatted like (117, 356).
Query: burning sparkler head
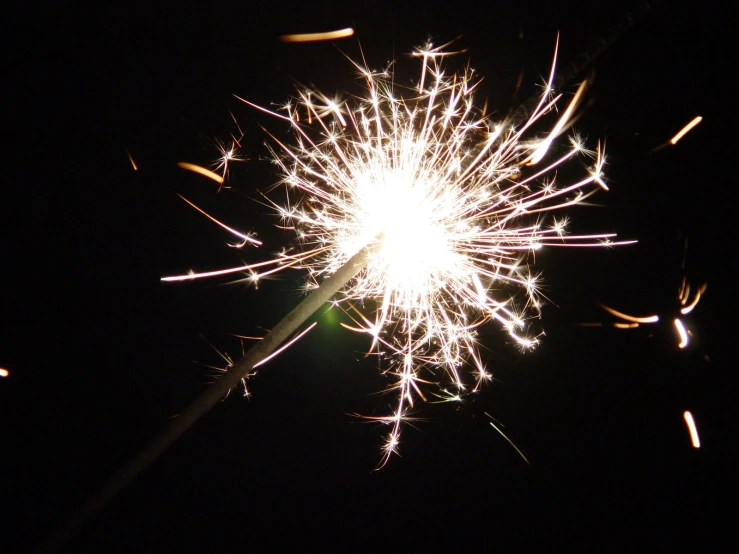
(452, 203)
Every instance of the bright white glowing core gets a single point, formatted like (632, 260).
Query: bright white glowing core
(416, 220)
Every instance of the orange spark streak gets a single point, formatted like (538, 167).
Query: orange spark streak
(634, 319)
(202, 171)
(682, 332)
(685, 129)
(691, 428)
(689, 308)
(315, 37)
(4, 372)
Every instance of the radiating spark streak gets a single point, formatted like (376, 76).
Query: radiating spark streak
(245, 238)
(130, 158)
(634, 319)
(284, 262)
(625, 325)
(541, 151)
(314, 37)
(681, 332)
(201, 171)
(692, 429)
(4, 372)
(286, 345)
(689, 307)
(565, 245)
(502, 434)
(684, 291)
(685, 130)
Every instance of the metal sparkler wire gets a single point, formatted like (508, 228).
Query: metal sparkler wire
(207, 399)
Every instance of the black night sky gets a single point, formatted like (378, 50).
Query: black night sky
(101, 354)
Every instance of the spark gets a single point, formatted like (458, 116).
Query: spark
(229, 153)
(682, 333)
(685, 130)
(692, 429)
(633, 319)
(502, 434)
(452, 203)
(286, 345)
(314, 37)
(449, 205)
(202, 171)
(245, 238)
(130, 158)
(4, 372)
(683, 295)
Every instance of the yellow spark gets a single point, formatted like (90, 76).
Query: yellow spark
(625, 325)
(202, 171)
(689, 308)
(692, 429)
(314, 37)
(130, 158)
(633, 319)
(684, 291)
(4, 372)
(681, 332)
(685, 129)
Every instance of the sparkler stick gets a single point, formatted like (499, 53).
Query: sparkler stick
(209, 398)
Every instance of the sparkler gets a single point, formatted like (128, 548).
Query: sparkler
(450, 205)
(419, 215)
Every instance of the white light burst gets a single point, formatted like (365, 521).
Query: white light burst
(451, 204)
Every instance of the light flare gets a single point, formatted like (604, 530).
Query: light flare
(285, 346)
(631, 318)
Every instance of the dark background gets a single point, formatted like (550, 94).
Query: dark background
(101, 354)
